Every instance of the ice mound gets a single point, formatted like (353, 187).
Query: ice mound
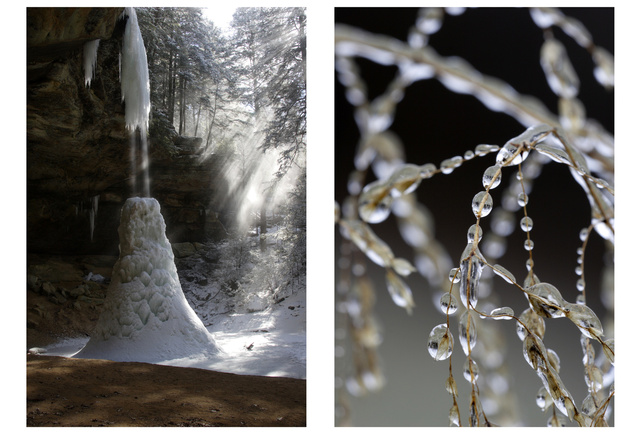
(146, 317)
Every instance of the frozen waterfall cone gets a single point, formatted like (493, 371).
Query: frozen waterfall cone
(146, 316)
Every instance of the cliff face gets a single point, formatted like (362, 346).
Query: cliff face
(78, 155)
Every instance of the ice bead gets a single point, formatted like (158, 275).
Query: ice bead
(440, 343)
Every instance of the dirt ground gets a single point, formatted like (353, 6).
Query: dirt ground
(85, 392)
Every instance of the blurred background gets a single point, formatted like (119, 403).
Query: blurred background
(435, 124)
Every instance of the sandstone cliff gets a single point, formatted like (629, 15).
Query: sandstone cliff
(78, 157)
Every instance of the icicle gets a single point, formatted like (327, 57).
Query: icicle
(134, 75)
(134, 80)
(90, 56)
(93, 213)
(94, 203)
(92, 216)
(471, 266)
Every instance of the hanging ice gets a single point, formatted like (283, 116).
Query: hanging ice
(90, 57)
(146, 317)
(93, 213)
(134, 77)
(134, 81)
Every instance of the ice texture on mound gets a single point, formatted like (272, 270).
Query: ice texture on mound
(146, 316)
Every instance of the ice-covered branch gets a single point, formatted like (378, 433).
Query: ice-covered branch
(460, 77)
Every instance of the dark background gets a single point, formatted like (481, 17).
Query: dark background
(436, 124)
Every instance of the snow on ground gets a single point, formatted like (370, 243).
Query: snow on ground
(147, 318)
(267, 343)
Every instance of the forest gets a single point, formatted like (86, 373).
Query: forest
(244, 94)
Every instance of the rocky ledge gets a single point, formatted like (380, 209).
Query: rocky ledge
(78, 158)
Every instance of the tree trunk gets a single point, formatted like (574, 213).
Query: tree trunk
(213, 116)
(182, 106)
(171, 88)
(195, 130)
(263, 226)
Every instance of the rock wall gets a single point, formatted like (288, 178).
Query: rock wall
(78, 148)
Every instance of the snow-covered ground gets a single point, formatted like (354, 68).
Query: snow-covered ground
(267, 343)
(147, 317)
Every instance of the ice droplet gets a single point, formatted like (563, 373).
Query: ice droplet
(543, 400)
(471, 233)
(492, 177)
(529, 264)
(482, 204)
(532, 321)
(523, 199)
(534, 352)
(402, 266)
(504, 274)
(502, 313)
(604, 70)
(429, 20)
(516, 150)
(584, 233)
(511, 154)
(556, 422)
(374, 203)
(561, 76)
(427, 170)
(454, 275)
(367, 241)
(405, 180)
(470, 371)
(484, 149)
(545, 17)
(440, 344)
(593, 378)
(467, 332)
(589, 406)
(585, 319)
(556, 154)
(526, 224)
(572, 114)
(451, 386)
(448, 165)
(454, 10)
(454, 416)
(546, 300)
(448, 304)
(399, 291)
(386, 144)
(554, 359)
(354, 387)
(576, 30)
(470, 272)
